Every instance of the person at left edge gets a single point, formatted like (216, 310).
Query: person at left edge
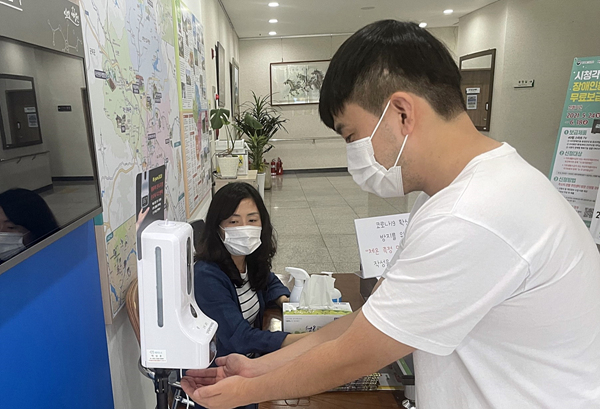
(25, 219)
(233, 282)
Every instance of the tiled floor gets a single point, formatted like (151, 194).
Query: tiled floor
(313, 215)
(71, 200)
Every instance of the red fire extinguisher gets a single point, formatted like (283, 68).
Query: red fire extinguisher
(273, 168)
(279, 167)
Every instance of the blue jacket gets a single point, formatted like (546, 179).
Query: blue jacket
(217, 298)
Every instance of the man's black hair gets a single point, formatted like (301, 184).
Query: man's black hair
(211, 248)
(389, 56)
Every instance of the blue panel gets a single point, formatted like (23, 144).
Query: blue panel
(52, 337)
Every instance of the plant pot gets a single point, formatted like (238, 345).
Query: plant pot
(268, 181)
(260, 181)
(228, 166)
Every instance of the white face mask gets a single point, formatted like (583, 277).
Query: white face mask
(369, 174)
(242, 240)
(10, 244)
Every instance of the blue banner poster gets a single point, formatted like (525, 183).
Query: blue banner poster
(576, 167)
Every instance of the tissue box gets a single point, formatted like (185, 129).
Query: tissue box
(297, 321)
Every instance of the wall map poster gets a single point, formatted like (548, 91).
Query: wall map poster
(576, 167)
(132, 75)
(193, 107)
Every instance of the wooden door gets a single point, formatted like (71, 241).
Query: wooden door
(475, 86)
(23, 117)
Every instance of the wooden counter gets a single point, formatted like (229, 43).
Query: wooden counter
(349, 286)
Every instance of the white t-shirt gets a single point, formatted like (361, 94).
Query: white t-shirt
(497, 286)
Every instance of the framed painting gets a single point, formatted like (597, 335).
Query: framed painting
(221, 74)
(297, 82)
(235, 87)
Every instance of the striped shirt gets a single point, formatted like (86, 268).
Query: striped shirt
(248, 300)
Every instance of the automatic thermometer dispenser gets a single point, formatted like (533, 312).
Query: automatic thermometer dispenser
(174, 333)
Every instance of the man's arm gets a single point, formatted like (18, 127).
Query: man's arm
(362, 349)
(236, 364)
(274, 360)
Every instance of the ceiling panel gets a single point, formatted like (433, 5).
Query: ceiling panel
(305, 17)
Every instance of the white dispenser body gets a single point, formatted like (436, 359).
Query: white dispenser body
(174, 333)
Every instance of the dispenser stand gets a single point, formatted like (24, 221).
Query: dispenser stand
(161, 387)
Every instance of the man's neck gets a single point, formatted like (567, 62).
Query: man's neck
(451, 148)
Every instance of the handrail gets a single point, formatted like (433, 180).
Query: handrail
(24, 156)
(316, 138)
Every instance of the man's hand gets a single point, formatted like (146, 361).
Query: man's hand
(230, 365)
(228, 393)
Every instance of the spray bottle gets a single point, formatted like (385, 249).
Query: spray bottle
(336, 296)
(300, 277)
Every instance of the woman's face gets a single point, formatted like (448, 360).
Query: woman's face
(6, 226)
(246, 214)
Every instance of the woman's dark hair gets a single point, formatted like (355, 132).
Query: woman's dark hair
(212, 249)
(389, 56)
(26, 208)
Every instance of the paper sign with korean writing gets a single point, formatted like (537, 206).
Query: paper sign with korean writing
(378, 240)
(576, 166)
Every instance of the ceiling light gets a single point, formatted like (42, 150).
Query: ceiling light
(449, 11)
(272, 33)
(273, 4)
(273, 20)
(423, 24)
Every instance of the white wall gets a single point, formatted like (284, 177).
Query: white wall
(130, 388)
(21, 62)
(303, 120)
(60, 80)
(534, 40)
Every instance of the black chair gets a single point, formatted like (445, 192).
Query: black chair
(198, 227)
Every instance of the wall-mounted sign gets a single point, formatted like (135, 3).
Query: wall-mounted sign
(576, 167)
(53, 24)
(64, 108)
(473, 90)
(472, 101)
(14, 4)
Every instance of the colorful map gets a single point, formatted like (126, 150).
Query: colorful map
(132, 75)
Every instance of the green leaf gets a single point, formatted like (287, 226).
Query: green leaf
(216, 122)
(219, 117)
(252, 122)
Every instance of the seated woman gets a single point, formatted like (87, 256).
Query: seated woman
(233, 279)
(25, 218)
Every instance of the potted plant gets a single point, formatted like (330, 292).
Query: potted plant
(228, 163)
(261, 112)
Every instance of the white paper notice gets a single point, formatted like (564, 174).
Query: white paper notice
(378, 240)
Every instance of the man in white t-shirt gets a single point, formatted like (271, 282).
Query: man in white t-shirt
(496, 287)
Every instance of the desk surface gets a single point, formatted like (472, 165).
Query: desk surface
(349, 286)
(339, 400)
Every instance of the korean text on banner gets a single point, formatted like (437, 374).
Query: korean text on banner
(378, 240)
(575, 169)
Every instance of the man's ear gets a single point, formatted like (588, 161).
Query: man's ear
(403, 105)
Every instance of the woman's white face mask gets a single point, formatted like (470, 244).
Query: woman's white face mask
(369, 174)
(242, 240)
(10, 244)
